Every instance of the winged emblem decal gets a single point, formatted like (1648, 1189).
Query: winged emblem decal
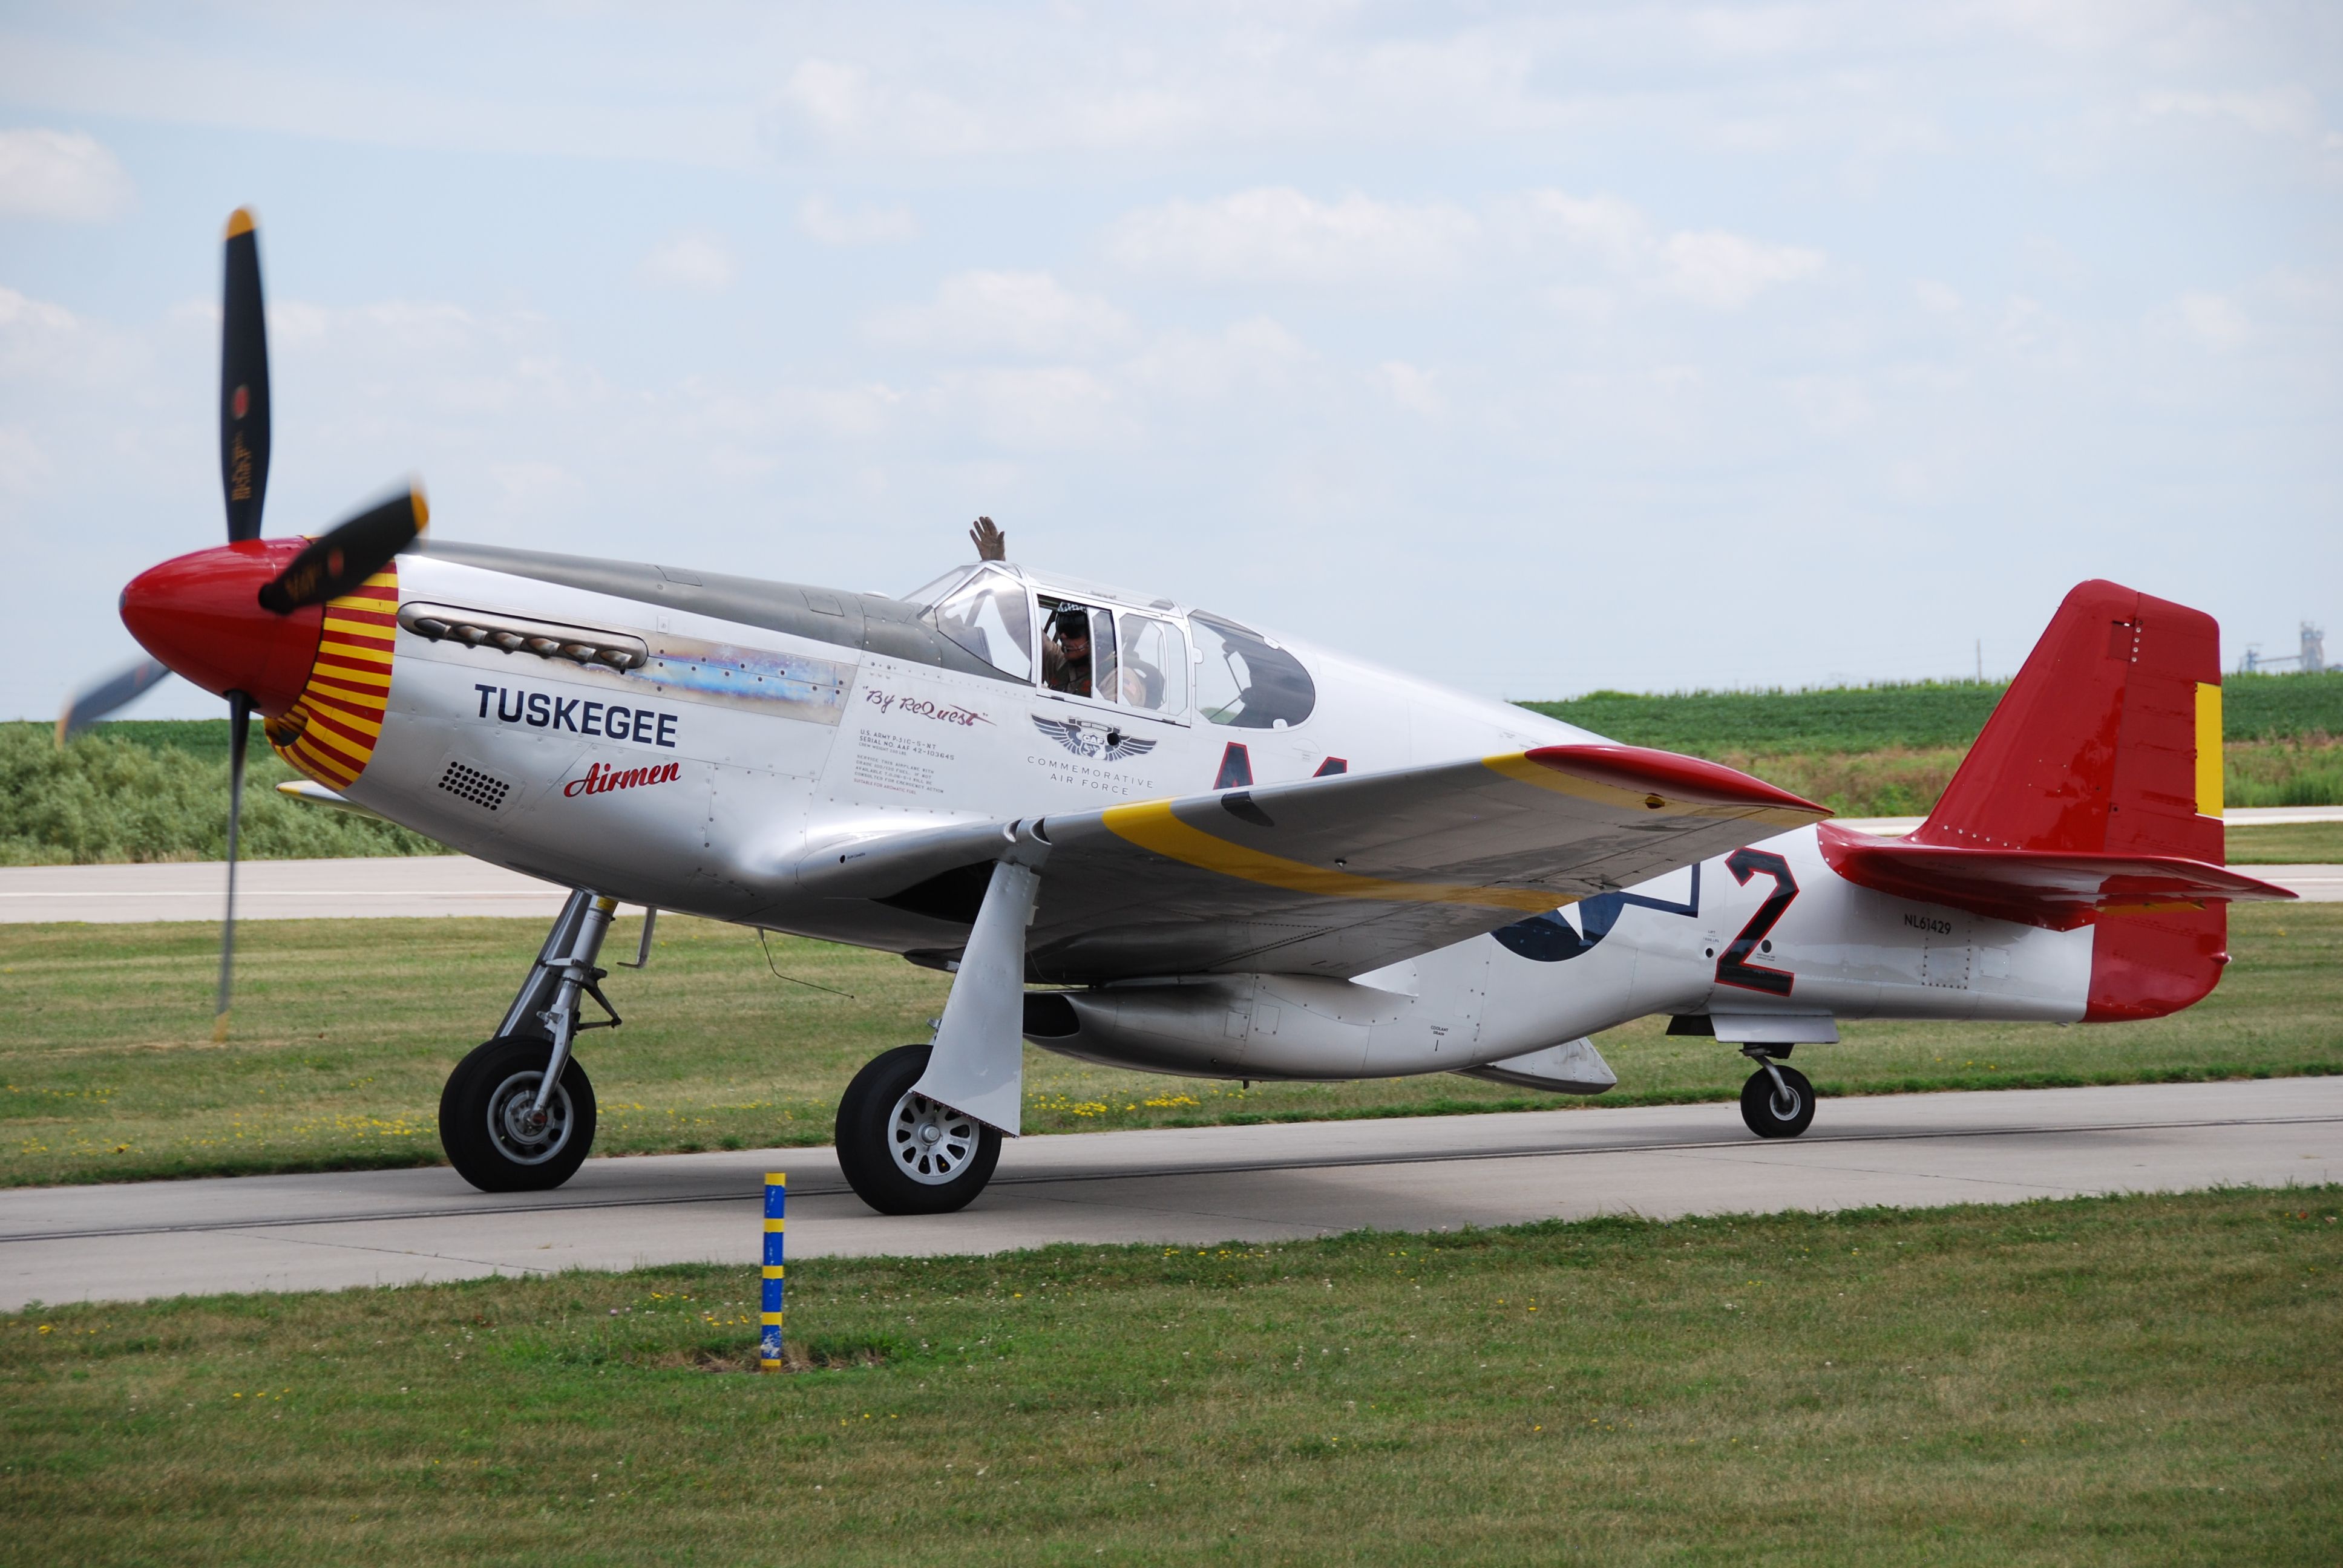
(1089, 741)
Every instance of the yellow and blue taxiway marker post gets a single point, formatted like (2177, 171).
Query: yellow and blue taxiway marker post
(769, 1339)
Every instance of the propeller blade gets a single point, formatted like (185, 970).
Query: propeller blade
(94, 702)
(244, 381)
(348, 554)
(240, 736)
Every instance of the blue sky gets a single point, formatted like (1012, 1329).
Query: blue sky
(1538, 349)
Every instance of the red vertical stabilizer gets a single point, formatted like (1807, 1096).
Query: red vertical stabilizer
(2109, 740)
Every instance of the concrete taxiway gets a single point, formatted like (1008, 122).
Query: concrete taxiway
(417, 885)
(1188, 1186)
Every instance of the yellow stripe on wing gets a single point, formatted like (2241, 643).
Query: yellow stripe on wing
(1153, 827)
(1520, 768)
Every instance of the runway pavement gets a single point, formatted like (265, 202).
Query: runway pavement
(390, 886)
(1189, 1186)
(429, 886)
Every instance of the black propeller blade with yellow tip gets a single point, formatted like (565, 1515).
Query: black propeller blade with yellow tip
(244, 485)
(339, 560)
(244, 381)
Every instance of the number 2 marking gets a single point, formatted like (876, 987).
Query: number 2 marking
(1734, 968)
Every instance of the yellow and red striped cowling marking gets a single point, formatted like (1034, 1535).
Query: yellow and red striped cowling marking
(338, 717)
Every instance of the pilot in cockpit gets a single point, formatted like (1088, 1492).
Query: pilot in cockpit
(1066, 651)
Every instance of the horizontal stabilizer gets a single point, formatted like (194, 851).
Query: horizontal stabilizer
(2056, 889)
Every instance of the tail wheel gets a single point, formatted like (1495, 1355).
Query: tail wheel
(489, 1125)
(904, 1153)
(1778, 1111)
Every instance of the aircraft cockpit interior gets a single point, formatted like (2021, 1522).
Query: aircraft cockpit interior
(1136, 659)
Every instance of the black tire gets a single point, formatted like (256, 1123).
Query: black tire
(1761, 1106)
(494, 1152)
(880, 1151)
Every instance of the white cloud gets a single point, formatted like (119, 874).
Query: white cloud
(1726, 271)
(1614, 230)
(1411, 387)
(1711, 268)
(1277, 235)
(2034, 336)
(60, 175)
(1256, 350)
(1935, 298)
(1591, 306)
(31, 328)
(1050, 407)
(863, 225)
(41, 342)
(1028, 313)
(695, 260)
(840, 104)
(2213, 321)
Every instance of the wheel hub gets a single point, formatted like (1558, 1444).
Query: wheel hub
(522, 1134)
(930, 1143)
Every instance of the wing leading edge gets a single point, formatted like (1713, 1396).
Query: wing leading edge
(1344, 874)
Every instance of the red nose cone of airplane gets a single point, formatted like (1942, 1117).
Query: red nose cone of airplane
(201, 615)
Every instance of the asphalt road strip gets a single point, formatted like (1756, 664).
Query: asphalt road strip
(1182, 1186)
(838, 1186)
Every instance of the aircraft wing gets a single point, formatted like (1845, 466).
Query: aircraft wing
(1333, 876)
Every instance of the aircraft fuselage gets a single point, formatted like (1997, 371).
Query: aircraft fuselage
(765, 725)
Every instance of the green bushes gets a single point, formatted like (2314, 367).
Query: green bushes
(111, 797)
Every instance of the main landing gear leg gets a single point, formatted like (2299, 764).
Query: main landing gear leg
(517, 1113)
(1777, 1102)
(918, 1130)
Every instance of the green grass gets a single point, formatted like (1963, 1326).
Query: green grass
(2142, 1380)
(2303, 772)
(2288, 844)
(1921, 716)
(344, 1031)
(116, 797)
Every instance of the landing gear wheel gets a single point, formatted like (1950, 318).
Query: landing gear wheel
(1769, 1110)
(902, 1153)
(485, 1123)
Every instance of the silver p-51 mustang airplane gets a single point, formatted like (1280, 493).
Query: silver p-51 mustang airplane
(1146, 835)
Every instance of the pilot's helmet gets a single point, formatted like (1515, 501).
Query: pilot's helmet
(1074, 623)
